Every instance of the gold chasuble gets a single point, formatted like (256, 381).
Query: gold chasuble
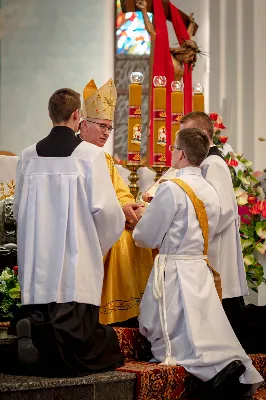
(126, 266)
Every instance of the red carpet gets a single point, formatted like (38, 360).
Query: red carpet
(159, 382)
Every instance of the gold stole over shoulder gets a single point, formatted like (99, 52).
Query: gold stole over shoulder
(204, 225)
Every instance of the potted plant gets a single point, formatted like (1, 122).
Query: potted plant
(9, 295)
(251, 202)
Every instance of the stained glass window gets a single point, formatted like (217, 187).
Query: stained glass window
(131, 35)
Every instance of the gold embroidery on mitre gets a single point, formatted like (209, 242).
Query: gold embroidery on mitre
(99, 103)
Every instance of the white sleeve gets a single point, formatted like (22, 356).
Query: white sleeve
(107, 214)
(217, 174)
(151, 229)
(18, 188)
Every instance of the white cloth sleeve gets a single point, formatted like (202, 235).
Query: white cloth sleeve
(151, 229)
(107, 214)
(217, 174)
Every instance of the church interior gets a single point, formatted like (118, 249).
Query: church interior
(152, 62)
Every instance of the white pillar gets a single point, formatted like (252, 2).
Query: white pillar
(260, 83)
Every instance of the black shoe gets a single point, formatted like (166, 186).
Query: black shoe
(27, 352)
(226, 385)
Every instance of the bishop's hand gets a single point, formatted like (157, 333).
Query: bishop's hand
(130, 213)
(141, 4)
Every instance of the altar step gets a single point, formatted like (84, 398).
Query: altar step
(137, 379)
(109, 385)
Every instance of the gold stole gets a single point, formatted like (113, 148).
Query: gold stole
(204, 225)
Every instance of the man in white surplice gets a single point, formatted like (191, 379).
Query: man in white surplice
(181, 314)
(68, 217)
(225, 252)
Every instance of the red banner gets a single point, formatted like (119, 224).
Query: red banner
(159, 159)
(176, 117)
(159, 115)
(133, 158)
(134, 112)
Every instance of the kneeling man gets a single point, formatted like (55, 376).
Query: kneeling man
(181, 313)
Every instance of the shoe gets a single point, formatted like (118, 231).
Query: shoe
(27, 352)
(226, 385)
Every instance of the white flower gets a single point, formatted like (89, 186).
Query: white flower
(5, 276)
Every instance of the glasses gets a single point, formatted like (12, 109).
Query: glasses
(103, 127)
(171, 148)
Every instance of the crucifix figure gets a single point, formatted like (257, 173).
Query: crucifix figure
(184, 54)
(187, 52)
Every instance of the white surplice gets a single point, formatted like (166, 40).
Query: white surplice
(225, 252)
(191, 329)
(68, 217)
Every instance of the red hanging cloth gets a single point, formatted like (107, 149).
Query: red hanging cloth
(163, 65)
(182, 34)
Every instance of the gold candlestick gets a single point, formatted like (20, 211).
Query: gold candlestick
(133, 179)
(159, 172)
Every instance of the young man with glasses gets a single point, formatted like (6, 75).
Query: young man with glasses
(181, 313)
(68, 217)
(127, 267)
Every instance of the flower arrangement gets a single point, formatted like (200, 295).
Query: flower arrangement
(9, 293)
(251, 202)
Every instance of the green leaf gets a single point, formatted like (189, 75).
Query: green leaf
(253, 179)
(260, 247)
(245, 180)
(261, 229)
(14, 293)
(249, 259)
(260, 193)
(246, 243)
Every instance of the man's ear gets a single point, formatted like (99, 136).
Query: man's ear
(83, 124)
(76, 115)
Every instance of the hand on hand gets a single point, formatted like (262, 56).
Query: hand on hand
(142, 4)
(147, 197)
(140, 212)
(130, 214)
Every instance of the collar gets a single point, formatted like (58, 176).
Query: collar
(189, 171)
(62, 130)
(79, 136)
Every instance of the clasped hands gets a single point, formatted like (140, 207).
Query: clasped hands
(133, 212)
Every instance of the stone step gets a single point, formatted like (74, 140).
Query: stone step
(109, 385)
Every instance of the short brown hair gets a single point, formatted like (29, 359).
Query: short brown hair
(200, 120)
(62, 104)
(194, 143)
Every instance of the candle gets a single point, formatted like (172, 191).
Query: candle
(159, 121)
(198, 98)
(134, 118)
(177, 104)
